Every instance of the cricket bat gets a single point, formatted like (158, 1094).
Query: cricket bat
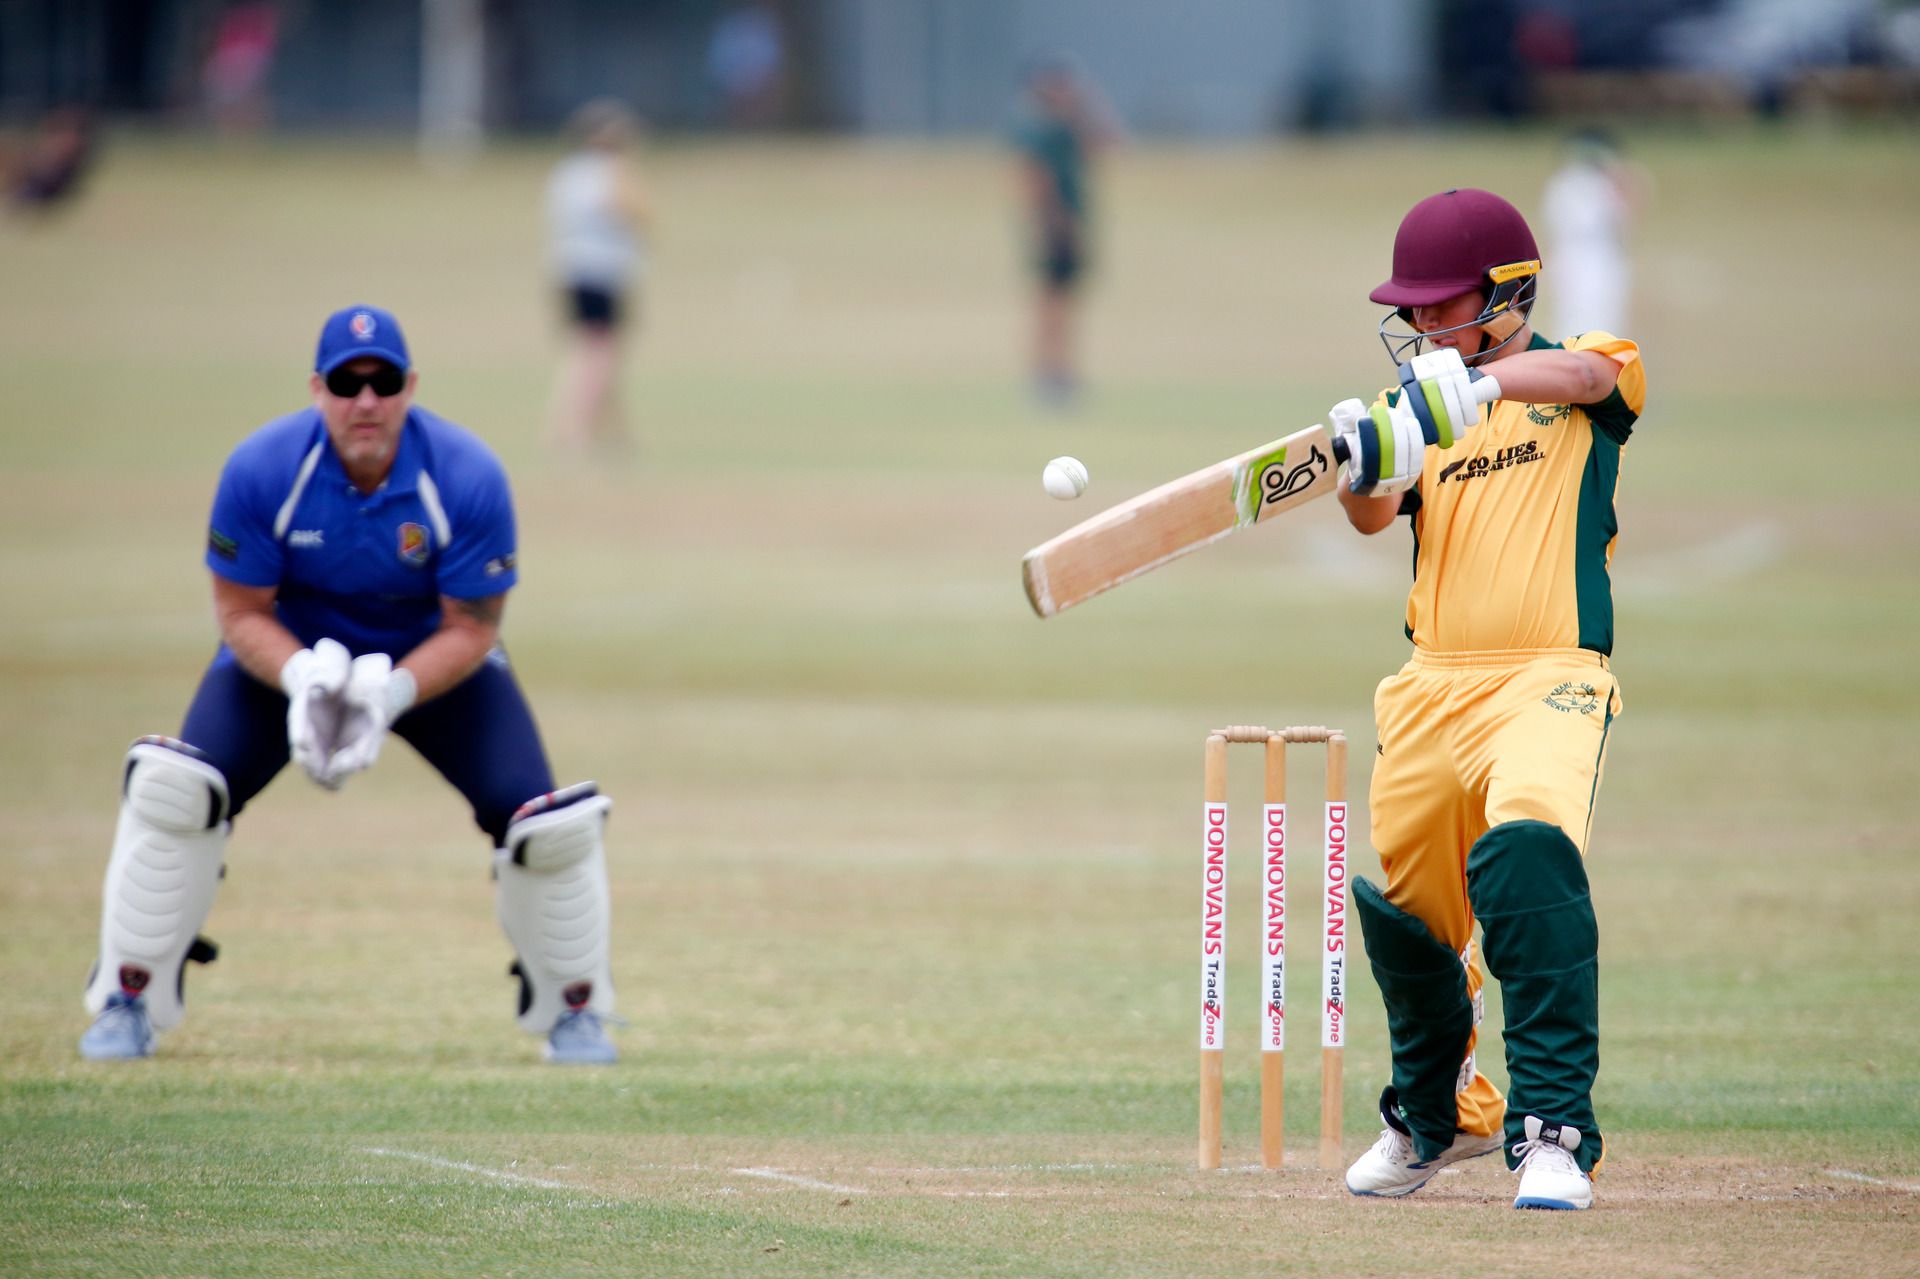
(1183, 515)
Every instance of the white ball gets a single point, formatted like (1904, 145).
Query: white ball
(1065, 478)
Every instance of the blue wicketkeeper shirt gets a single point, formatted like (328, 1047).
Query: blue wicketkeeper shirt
(366, 569)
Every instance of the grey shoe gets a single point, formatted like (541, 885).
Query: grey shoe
(579, 1038)
(121, 1030)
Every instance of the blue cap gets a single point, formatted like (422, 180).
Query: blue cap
(357, 332)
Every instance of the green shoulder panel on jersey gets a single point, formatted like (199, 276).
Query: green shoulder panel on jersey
(1593, 533)
(1612, 417)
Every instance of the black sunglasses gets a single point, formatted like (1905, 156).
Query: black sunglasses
(386, 381)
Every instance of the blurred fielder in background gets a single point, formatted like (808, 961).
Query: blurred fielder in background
(597, 213)
(1590, 204)
(1064, 124)
(361, 551)
(1493, 735)
(236, 80)
(49, 170)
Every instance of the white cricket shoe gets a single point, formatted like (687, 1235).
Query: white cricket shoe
(579, 1038)
(121, 1032)
(1391, 1168)
(1550, 1177)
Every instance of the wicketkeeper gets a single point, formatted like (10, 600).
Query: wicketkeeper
(1493, 735)
(361, 551)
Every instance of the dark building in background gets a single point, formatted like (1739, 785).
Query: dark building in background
(1201, 68)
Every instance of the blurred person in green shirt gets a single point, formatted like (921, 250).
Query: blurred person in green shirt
(1063, 125)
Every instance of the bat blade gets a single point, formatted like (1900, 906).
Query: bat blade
(1177, 518)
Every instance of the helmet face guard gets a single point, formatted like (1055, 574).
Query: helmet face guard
(1509, 296)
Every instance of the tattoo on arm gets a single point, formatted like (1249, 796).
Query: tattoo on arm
(486, 610)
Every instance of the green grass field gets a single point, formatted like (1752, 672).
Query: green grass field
(904, 877)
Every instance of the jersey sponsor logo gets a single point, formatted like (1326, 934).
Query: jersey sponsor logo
(1548, 414)
(222, 545)
(307, 537)
(499, 564)
(1472, 468)
(361, 325)
(413, 544)
(1574, 698)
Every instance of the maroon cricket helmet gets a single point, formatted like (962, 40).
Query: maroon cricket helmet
(1456, 242)
(1448, 243)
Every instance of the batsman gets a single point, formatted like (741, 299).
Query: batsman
(361, 551)
(1494, 734)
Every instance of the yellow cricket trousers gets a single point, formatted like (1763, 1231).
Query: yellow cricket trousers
(1468, 741)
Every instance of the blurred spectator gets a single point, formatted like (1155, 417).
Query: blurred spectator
(234, 78)
(746, 60)
(1065, 122)
(597, 212)
(1590, 204)
(48, 170)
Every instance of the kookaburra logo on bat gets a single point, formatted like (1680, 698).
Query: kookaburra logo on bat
(1280, 482)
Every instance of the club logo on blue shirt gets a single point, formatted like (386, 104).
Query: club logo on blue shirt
(361, 325)
(413, 544)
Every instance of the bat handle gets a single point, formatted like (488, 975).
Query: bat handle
(1486, 389)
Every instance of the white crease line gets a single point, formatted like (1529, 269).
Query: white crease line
(898, 1171)
(1849, 1175)
(774, 1174)
(456, 1165)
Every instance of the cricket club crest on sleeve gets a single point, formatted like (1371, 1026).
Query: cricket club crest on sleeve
(414, 546)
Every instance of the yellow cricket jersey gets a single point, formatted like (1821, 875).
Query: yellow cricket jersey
(1514, 525)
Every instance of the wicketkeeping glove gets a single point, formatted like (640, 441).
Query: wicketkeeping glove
(313, 680)
(376, 694)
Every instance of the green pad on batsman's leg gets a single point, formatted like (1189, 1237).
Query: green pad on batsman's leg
(1429, 1015)
(1528, 887)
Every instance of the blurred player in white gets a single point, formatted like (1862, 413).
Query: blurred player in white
(1590, 204)
(361, 551)
(597, 217)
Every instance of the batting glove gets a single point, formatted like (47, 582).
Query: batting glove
(1438, 387)
(1385, 445)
